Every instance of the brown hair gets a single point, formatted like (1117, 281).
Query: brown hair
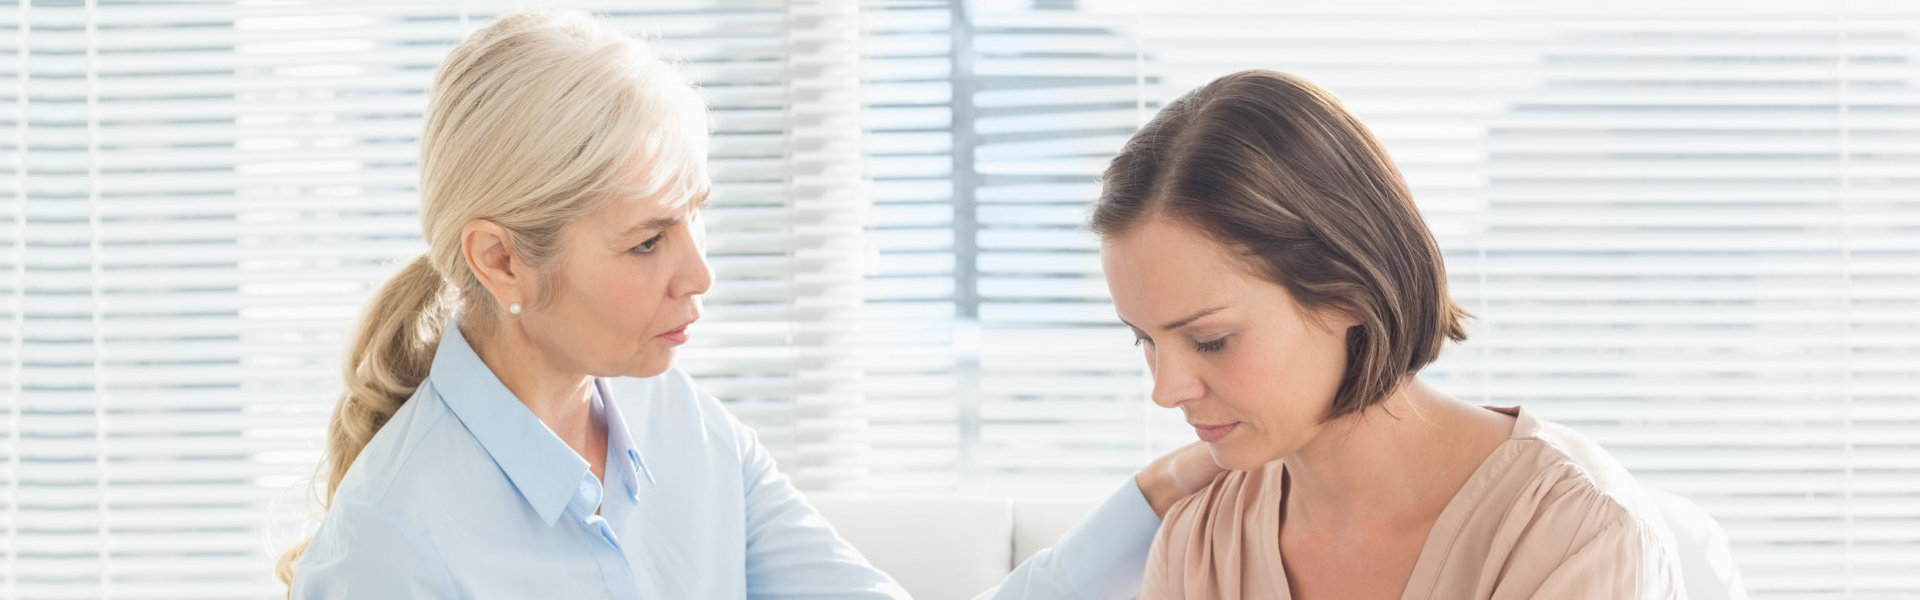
(1276, 169)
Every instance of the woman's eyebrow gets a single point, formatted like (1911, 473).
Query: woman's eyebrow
(650, 225)
(1184, 322)
(1191, 318)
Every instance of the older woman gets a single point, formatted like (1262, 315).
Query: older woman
(512, 425)
(1286, 292)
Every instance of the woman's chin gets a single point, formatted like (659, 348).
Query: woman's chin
(1229, 456)
(652, 365)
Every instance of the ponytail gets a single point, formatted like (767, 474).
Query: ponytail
(388, 359)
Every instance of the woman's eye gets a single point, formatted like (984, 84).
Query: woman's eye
(1213, 346)
(646, 247)
(1139, 340)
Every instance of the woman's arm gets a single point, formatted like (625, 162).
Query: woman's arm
(387, 558)
(1104, 555)
(791, 550)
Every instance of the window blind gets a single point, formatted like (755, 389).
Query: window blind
(1689, 231)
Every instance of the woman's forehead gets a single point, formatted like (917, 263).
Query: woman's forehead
(631, 214)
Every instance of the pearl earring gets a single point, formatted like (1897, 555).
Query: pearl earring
(514, 308)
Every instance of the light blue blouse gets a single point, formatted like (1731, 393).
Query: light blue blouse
(465, 494)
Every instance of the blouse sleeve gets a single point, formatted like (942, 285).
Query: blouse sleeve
(791, 550)
(1100, 558)
(368, 552)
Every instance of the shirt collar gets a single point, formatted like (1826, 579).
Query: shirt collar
(620, 446)
(624, 464)
(545, 471)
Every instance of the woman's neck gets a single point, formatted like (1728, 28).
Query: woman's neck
(562, 400)
(1393, 466)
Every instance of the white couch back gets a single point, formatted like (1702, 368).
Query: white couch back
(937, 548)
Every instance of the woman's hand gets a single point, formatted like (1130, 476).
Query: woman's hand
(1176, 475)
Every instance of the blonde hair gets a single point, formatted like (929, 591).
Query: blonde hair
(532, 122)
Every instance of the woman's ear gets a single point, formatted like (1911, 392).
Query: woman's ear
(489, 253)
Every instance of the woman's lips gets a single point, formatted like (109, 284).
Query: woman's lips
(1212, 434)
(677, 336)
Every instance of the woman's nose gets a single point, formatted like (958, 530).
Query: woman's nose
(1173, 385)
(696, 275)
(697, 278)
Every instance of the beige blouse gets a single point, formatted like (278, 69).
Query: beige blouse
(1548, 515)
